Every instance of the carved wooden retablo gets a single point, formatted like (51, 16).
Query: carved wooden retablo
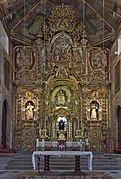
(61, 77)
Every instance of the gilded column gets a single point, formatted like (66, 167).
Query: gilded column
(84, 107)
(104, 116)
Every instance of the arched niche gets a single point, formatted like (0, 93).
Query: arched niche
(61, 96)
(94, 110)
(29, 110)
(59, 35)
(119, 124)
(4, 123)
(61, 47)
(60, 120)
(61, 123)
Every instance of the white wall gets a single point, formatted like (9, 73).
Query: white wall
(119, 45)
(115, 96)
(4, 41)
(5, 94)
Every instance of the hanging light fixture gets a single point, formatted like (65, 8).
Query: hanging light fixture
(24, 43)
(103, 53)
(83, 36)
(103, 24)
(84, 40)
(44, 39)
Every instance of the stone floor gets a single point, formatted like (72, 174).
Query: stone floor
(55, 175)
(34, 175)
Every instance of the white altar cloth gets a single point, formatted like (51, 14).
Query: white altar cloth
(62, 153)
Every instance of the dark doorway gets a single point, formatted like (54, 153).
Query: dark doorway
(4, 123)
(119, 125)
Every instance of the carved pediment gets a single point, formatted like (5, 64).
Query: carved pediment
(62, 18)
(61, 73)
(61, 111)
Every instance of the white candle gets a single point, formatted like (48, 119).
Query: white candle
(81, 123)
(43, 142)
(69, 129)
(39, 130)
(37, 143)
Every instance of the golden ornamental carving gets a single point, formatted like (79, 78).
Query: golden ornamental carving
(25, 64)
(60, 93)
(99, 59)
(62, 48)
(61, 73)
(62, 18)
(61, 77)
(24, 56)
(99, 64)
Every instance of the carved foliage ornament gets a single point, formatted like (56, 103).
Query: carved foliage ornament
(24, 57)
(24, 63)
(62, 18)
(99, 59)
(62, 49)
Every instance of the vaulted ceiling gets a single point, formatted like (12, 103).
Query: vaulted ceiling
(23, 18)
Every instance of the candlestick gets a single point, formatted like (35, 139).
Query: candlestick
(37, 142)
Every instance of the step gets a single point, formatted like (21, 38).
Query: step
(101, 162)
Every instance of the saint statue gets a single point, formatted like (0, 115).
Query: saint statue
(61, 125)
(94, 110)
(61, 98)
(29, 111)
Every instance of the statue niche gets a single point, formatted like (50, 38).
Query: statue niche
(29, 110)
(61, 125)
(61, 98)
(61, 132)
(94, 110)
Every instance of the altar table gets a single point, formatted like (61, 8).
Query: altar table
(37, 154)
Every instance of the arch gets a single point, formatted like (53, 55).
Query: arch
(61, 122)
(119, 124)
(61, 34)
(61, 47)
(4, 123)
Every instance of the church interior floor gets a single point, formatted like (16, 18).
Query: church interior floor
(60, 175)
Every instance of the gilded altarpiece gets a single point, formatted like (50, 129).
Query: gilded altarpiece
(61, 78)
